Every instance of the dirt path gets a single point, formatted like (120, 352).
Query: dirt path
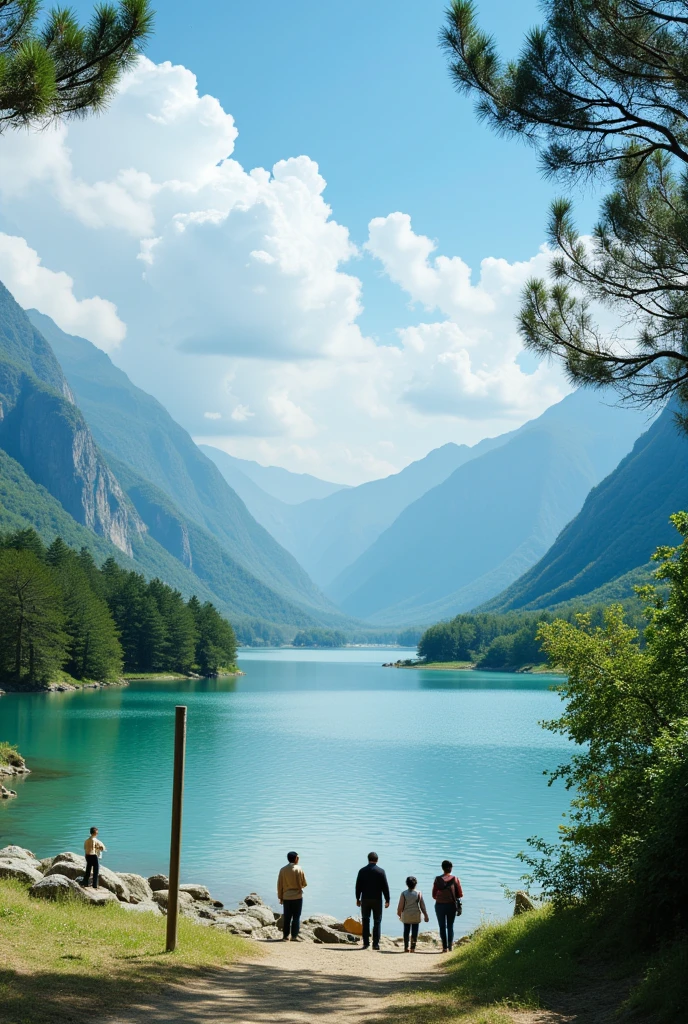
(295, 983)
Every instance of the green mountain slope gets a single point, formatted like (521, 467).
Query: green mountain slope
(494, 517)
(622, 521)
(133, 427)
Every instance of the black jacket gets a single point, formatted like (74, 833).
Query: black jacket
(371, 884)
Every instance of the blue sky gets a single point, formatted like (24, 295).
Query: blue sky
(342, 321)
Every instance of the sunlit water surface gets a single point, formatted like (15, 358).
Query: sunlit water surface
(325, 752)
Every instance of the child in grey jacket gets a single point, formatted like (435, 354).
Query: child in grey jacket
(409, 911)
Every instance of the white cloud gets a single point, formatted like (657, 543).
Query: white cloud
(52, 293)
(239, 295)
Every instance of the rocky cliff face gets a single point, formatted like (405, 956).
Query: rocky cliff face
(49, 438)
(164, 525)
(42, 429)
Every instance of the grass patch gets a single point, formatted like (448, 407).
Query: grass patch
(444, 666)
(65, 961)
(507, 966)
(566, 960)
(663, 990)
(155, 677)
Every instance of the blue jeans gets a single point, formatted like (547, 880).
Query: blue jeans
(373, 907)
(446, 915)
(291, 917)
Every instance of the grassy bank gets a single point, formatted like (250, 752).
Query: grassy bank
(166, 677)
(561, 961)
(65, 961)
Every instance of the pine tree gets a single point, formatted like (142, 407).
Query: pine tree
(33, 643)
(216, 646)
(62, 69)
(94, 651)
(601, 90)
(180, 627)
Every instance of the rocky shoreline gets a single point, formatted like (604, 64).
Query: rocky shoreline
(55, 878)
(10, 771)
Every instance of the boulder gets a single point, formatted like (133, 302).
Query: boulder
(330, 936)
(75, 858)
(107, 878)
(522, 903)
(324, 919)
(139, 889)
(238, 924)
(204, 912)
(22, 870)
(7, 794)
(162, 896)
(264, 914)
(44, 865)
(158, 882)
(16, 853)
(353, 926)
(198, 892)
(271, 933)
(56, 887)
(253, 900)
(98, 897)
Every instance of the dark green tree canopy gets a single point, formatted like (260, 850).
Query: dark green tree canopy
(601, 89)
(56, 68)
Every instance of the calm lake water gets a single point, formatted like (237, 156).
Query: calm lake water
(325, 752)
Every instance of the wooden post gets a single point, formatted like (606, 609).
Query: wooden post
(176, 836)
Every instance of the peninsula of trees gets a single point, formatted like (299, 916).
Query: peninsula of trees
(61, 613)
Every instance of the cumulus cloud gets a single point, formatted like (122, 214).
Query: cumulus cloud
(52, 293)
(239, 291)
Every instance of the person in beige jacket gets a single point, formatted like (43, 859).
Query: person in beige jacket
(92, 849)
(291, 882)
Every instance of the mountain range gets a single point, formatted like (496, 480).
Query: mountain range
(328, 534)
(619, 526)
(550, 512)
(467, 539)
(86, 454)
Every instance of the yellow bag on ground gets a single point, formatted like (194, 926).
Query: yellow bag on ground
(353, 926)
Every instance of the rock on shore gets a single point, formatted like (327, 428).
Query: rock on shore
(55, 878)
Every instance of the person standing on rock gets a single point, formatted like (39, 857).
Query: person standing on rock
(371, 888)
(93, 849)
(447, 894)
(291, 882)
(411, 908)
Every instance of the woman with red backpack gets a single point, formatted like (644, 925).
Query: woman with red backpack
(447, 894)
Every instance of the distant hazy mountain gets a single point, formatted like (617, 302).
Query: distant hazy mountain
(621, 523)
(291, 488)
(465, 540)
(327, 535)
(135, 429)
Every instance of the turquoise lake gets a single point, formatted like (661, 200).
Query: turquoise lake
(325, 752)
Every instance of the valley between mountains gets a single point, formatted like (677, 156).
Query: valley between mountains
(568, 506)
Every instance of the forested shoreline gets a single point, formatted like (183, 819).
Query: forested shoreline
(505, 640)
(61, 615)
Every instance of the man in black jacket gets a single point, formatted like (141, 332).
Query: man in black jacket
(371, 887)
